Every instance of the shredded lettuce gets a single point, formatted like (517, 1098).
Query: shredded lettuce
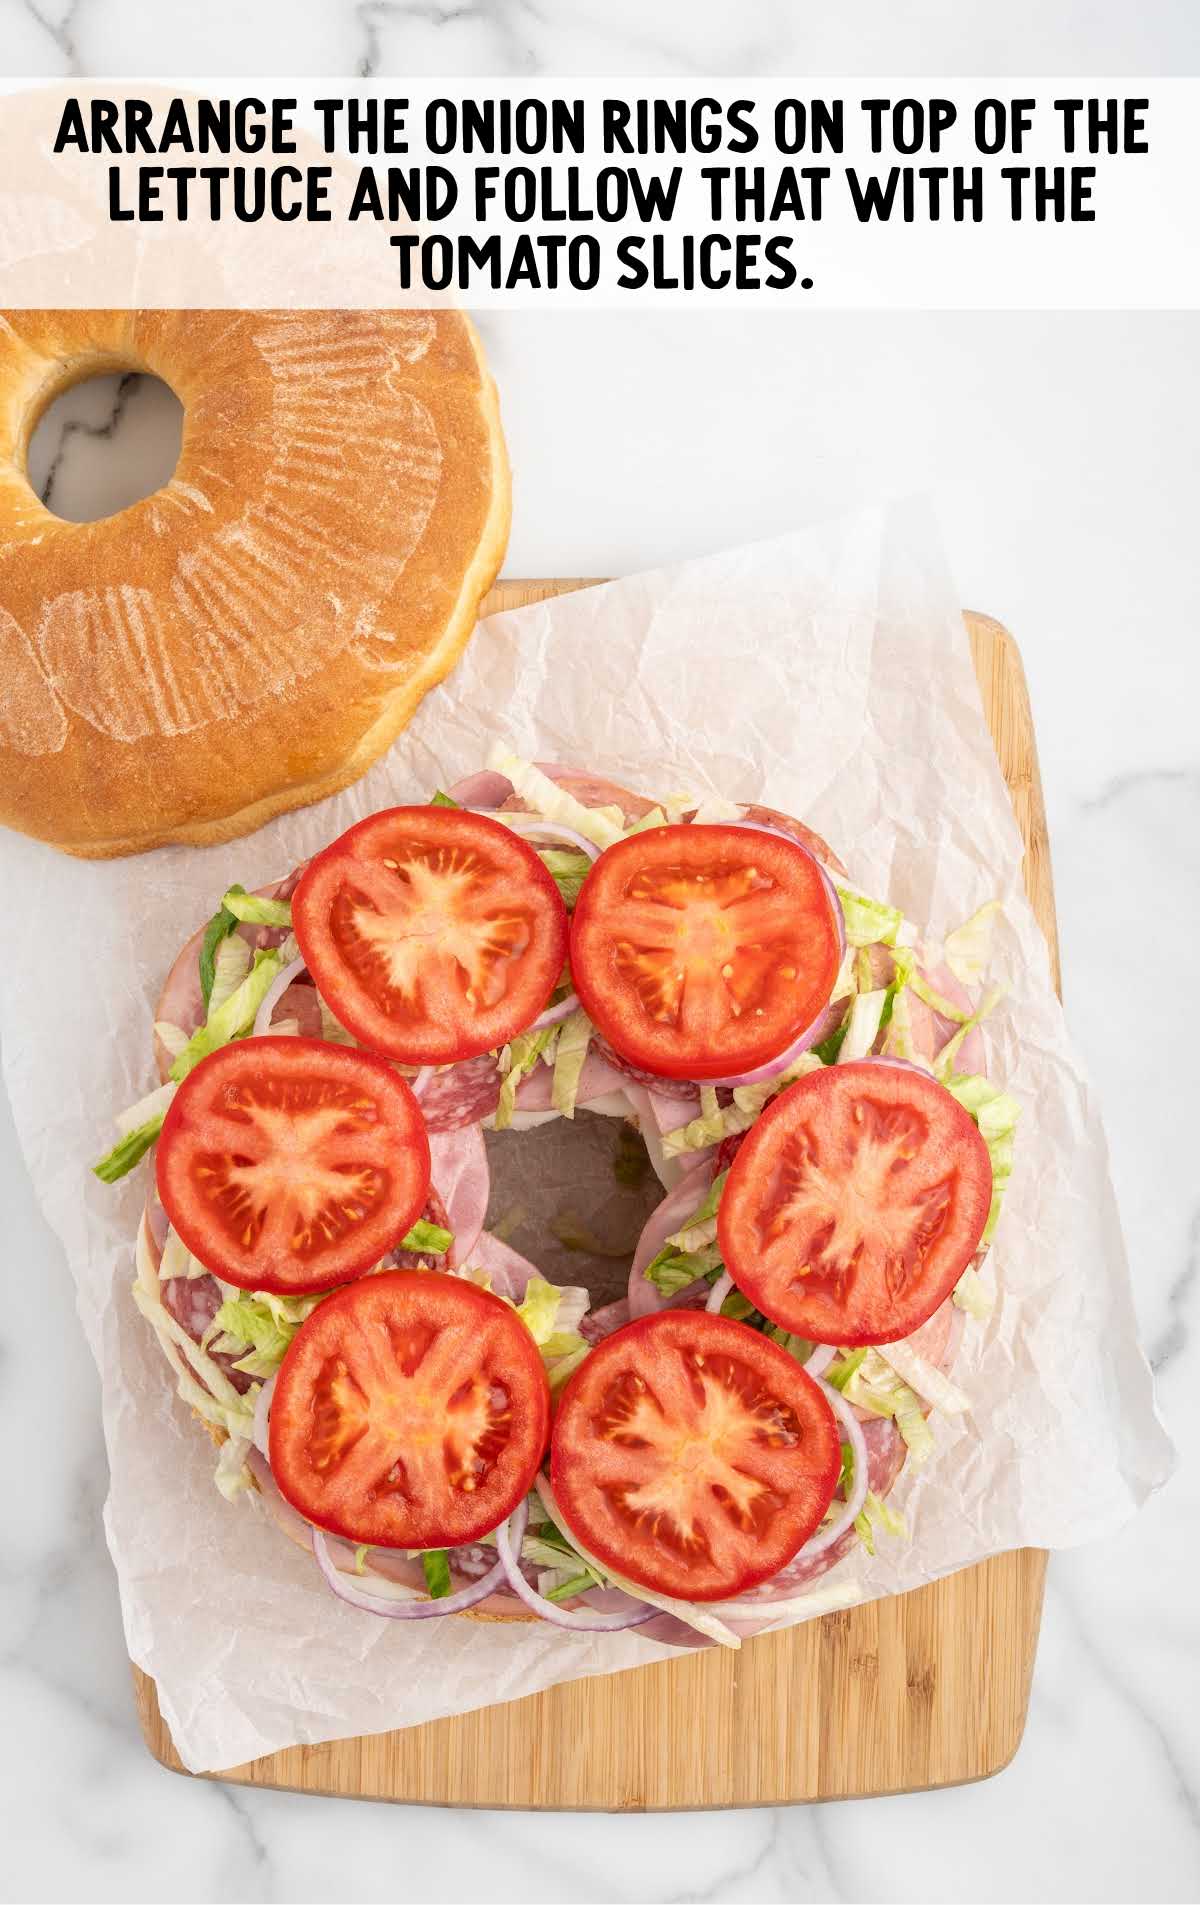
(868, 922)
(701, 1226)
(826, 1053)
(943, 1064)
(968, 948)
(219, 927)
(797, 1346)
(655, 818)
(128, 1150)
(899, 1042)
(230, 965)
(874, 1385)
(715, 809)
(737, 1306)
(539, 1308)
(570, 1051)
(235, 1015)
(172, 1038)
(748, 1102)
(552, 802)
(258, 912)
(257, 1328)
(565, 1367)
(936, 1001)
(231, 1474)
(846, 983)
(517, 1058)
(552, 1316)
(360, 1555)
(545, 1547)
(672, 1270)
(862, 1026)
(435, 1565)
(568, 869)
(428, 1238)
(839, 1373)
(973, 1296)
(178, 1261)
(693, 1250)
(876, 1514)
(213, 1395)
(564, 1589)
(996, 1113)
(922, 1376)
(442, 800)
(153, 1105)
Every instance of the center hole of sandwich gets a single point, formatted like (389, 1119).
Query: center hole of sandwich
(105, 443)
(573, 1196)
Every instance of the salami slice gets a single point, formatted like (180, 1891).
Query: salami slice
(193, 1302)
(771, 817)
(458, 1161)
(681, 1088)
(461, 1094)
(435, 1212)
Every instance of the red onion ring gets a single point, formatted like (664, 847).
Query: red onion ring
(555, 1014)
(580, 1620)
(262, 1415)
(403, 1610)
(897, 1064)
(719, 1292)
(822, 1355)
(419, 1081)
(533, 826)
(275, 992)
(826, 1537)
(826, 1022)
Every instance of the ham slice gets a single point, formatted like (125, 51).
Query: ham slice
(460, 1171)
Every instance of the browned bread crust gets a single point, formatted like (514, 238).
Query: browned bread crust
(253, 636)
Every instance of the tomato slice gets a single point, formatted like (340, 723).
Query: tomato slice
(411, 1410)
(434, 934)
(855, 1203)
(291, 1164)
(693, 1455)
(701, 951)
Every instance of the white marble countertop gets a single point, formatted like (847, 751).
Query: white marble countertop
(1061, 453)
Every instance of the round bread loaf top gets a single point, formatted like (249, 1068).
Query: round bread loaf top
(252, 636)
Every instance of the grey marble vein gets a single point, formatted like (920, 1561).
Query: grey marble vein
(76, 426)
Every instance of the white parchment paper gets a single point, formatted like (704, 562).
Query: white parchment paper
(827, 673)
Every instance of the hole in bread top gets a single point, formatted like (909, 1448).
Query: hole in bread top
(105, 443)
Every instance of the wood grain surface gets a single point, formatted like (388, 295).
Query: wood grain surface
(919, 1690)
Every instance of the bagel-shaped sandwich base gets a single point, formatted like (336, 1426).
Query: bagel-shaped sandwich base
(252, 636)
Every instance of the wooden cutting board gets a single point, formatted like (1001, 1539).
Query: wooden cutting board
(919, 1690)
